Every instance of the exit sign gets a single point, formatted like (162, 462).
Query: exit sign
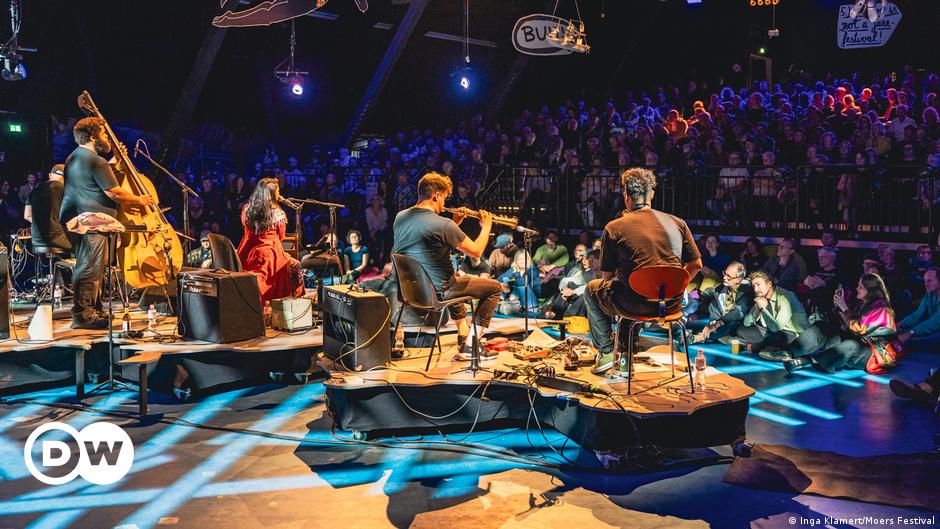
(16, 127)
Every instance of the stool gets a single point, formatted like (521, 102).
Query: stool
(49, 253)
(142, 360)
(655, 283)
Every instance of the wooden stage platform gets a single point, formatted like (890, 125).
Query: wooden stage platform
(403, 397)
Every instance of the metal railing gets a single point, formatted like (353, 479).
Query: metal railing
(884, 203)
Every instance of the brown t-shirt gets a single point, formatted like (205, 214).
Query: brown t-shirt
(646, 237)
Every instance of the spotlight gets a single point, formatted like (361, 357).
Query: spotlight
(297, 87)
(464, 82)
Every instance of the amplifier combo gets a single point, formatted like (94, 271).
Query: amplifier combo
(219, 306)
(356, 327)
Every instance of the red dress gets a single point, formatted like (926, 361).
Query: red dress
(263, 254)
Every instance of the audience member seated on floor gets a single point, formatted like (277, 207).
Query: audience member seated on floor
(200, 257)
(569, 301)
(474, 266)
(383, 283)
(727, 306)
(783, 269)
(830, 239)
(550, 259)
(572, 272)
(926, 391)
(513, 282)
(918, 265)
(714, 262)
(868, 338)
(920, 330)
(776, 320)
(821, 283)
(355, 257)
(501, 257)
(753, 257)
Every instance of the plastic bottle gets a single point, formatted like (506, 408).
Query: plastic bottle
(700, 369)
(57, 297)
(399, 350)
(267, 313)
(151, 318)
(126, 322)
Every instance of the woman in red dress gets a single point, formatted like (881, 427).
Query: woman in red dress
(260, 249)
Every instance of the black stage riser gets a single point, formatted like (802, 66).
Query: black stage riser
(380, 412)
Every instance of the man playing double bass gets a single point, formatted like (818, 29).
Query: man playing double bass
(90, 186)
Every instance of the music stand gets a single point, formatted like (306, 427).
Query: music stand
(112, 385)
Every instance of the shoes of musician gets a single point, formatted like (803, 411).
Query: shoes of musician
(603, 363)
(96, 323)
(465, 352)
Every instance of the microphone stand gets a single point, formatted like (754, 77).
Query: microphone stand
(187, 191)
(527, 244)
(332, 207)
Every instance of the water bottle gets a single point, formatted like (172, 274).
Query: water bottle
(399, 350)
(700, 369)
(126, 322)
(267, 313)
(151, 318)
(57, 297)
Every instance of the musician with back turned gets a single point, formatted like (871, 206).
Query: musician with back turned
(90, 186)
(421, 233)
(639, 238)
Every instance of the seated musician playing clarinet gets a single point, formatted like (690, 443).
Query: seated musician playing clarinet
(421, 233)
(90, 186)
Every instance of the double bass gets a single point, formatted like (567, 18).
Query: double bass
(150, 253)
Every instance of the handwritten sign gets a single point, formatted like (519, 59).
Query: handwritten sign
(530, 35)
(859, 32)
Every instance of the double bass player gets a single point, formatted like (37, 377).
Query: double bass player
(91, 186)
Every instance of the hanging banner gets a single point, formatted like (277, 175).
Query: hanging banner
(530, 35)
(860, 32)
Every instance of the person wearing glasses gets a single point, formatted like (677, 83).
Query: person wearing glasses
(730, 302)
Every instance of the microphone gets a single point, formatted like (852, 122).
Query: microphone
(136, 148)
(526, 231)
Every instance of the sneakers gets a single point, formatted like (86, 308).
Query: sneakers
(772, 354)
(603, 363)
(465, 352)
(96, 324)
(796, 364)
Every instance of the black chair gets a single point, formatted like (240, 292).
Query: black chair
(223, 253)
(416, 290)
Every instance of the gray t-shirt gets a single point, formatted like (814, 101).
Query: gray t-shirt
(428, 238)
(87, 176)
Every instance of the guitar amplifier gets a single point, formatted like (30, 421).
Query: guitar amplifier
(219, 306)
(356, 327)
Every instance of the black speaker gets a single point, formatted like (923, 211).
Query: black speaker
(4, 292)
(356, 327)
(219, 306)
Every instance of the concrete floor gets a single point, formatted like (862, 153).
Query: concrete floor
(200, 478)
